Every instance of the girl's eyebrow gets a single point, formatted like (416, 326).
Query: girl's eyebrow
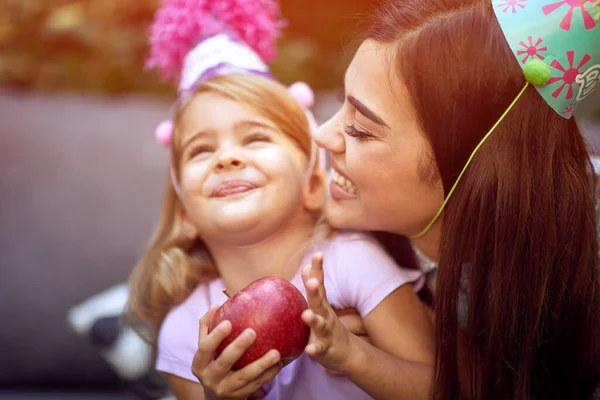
(194, 137)
(240, 125)
(245, 124)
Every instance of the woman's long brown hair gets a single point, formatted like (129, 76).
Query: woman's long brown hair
(521, 225)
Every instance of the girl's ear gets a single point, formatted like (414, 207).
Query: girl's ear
(315, 191)
(189, 229)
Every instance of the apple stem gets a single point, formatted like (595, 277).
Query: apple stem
(226, 293)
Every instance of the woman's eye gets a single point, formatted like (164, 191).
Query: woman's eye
(357, 133)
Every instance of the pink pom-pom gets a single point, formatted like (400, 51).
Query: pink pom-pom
(180, 24)
(164, 133)
(303, 94)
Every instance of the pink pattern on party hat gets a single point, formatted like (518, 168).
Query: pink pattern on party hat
(565, 23)
(569, 77)
(179, 25)
(569, 110)
(532, 50)
(512, 5)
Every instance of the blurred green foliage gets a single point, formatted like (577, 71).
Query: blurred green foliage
(101, 45)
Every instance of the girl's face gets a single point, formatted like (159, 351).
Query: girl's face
(378, 153)
(241, 178)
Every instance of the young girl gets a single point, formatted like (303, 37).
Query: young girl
(244, 201)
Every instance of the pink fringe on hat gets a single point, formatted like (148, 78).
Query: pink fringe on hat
(179, 25)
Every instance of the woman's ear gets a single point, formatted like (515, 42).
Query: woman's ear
(315, 191)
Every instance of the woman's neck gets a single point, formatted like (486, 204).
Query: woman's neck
(278, 255)
(429, 244)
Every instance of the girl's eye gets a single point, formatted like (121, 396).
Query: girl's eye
(199, 150)
(257, 138)
(356, 133)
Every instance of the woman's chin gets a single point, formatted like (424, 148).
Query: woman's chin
(341, 218)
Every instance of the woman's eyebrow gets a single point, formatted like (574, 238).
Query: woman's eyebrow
(366, 111)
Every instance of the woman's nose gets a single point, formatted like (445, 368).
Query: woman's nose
(329, 135)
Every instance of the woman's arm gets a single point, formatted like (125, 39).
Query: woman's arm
(403, 369)
(401, 364)
(384, 376)
(401, 325)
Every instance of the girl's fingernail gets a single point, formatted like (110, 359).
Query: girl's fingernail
(249, 334)
(225, 325)
(274, 356)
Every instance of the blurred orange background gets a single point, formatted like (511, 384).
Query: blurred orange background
(100, 45)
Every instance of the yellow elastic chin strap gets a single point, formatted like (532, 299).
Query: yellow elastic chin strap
(428, 227)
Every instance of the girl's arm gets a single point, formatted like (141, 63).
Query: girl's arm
(219, 381)
(218, 378)
(403, 366)
(184, 389)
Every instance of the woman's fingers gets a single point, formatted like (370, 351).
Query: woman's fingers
(317, 267)
(315, 292)
(315, 322)
(320, 332)
(350, 318)
(315, 348)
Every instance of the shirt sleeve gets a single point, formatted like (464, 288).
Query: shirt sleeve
(365, 274)
(177, 343)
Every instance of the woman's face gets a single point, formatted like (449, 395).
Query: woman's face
(379, 155)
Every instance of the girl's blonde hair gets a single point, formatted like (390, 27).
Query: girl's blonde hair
(173, 265)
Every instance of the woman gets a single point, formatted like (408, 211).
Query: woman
(516, 293)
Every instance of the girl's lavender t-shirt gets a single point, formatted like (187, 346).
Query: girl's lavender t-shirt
(358, 274)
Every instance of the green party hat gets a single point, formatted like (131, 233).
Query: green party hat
(557, 43)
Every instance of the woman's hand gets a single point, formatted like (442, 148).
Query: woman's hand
(216, 375)
(351, 319)
(329, 341)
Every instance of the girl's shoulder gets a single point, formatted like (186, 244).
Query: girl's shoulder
(355, 251)
(350, 238)
(186, 315)
(354, 247)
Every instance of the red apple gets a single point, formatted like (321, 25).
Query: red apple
(271, 306)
